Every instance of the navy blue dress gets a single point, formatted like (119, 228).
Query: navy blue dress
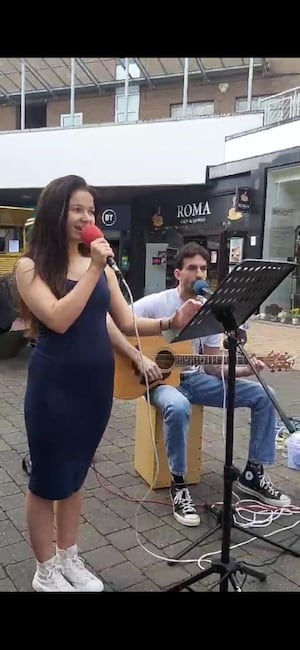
(69, 398)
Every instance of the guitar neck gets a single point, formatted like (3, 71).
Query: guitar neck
(207, 359)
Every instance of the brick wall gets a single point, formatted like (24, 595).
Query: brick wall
(99, 109)
(7, 118)
(155, 104)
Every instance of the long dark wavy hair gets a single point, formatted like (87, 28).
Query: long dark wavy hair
(48, 246)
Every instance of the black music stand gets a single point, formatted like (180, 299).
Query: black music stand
(238, 296)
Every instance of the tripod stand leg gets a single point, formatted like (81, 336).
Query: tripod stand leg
(233, 580)
(227, 573)
(251, 572)
(191, 546)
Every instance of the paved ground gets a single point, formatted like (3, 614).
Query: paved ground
(263, 337)
(108, 538)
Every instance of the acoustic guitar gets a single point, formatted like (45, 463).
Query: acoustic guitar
(171, 359)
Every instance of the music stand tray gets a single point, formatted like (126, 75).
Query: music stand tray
(237, 297)
(241, 293)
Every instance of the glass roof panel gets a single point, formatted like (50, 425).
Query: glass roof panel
(232, 63)
(153, 67)
(103, 71)
(172, 65)
(47, 75)
(11, 82)
(210, 64)
(193, 65)
(52, 77)
(6, 66)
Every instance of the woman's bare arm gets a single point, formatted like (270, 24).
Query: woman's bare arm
(57, 314)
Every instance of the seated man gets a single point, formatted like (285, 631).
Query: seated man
(203, 386)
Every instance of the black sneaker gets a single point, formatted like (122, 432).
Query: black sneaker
(256, 483)
(183, 508)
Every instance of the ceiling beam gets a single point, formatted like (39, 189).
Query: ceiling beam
(88, 73)
(4, 92)
(12, 81)
(68, 66)
(106, 68)
(34, 74)
(201, 67)
(143, 70)
(163, 67)
(38, 77)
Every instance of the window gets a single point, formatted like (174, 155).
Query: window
(133, 69)
(66, 119)
(133, 104)
(133, 114)
(35, 115)
(193, 109)
(241, 103)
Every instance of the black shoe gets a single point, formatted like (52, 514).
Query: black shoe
(183, 508)
(256, 483)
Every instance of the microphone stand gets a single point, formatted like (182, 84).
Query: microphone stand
(226, 567)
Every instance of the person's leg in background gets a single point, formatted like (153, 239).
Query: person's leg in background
(207, 390)
(176, 410)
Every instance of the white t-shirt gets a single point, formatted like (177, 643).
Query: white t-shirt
(164, 305)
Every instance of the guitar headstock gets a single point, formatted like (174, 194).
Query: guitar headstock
(279, 361)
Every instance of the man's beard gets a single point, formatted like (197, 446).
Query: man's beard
(189, 290)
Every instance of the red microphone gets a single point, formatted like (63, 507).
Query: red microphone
(88, 235)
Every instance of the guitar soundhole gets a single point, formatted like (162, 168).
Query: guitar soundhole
(164, 359)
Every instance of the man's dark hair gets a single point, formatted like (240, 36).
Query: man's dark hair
(190, 250)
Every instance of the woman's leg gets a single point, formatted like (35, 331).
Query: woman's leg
(40, 518)
(71, 565)
(68, 513)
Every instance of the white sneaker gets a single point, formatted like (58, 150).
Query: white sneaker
(73, 569)
(48, 577)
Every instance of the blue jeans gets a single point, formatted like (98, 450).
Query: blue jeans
(206, 390)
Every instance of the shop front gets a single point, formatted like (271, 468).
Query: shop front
(164, 222)
(273, 219)
(115, 222)
(282, 237)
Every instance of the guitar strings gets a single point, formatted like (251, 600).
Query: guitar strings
(204, 358)
(276, 363)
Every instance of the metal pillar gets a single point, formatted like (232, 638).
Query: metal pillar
(72, 92)
(250, 84)
(185, 86)
(23, 82)
(126, 89)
